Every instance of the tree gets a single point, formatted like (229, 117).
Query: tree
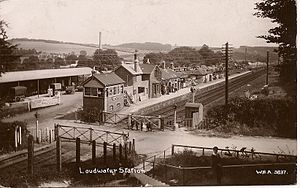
(32, 63)
(106, 58)
(7, 56)
(284, 13)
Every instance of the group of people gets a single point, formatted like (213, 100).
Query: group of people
(140, 125)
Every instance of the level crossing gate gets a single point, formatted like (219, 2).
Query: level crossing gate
(88, 135)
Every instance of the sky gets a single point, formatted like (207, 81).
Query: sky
(180, 22)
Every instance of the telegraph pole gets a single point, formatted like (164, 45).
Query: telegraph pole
(226, 74)
(267, 77)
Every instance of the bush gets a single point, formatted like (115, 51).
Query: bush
(90, 115)
(276, 116)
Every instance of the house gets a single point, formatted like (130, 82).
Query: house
(151, 73)
(136, 86)
(170, 81)
(105, 92)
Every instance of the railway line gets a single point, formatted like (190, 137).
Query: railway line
(208, 95)
(47, 155)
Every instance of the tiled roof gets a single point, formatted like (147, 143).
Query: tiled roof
(109, 79)
(147, 68)
(130, 68)
(167, 74)
(43, 74)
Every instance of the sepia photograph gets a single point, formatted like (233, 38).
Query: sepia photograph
(148, 93)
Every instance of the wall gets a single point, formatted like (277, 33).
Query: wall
(113, 101)
(93, 102)
(125, 75)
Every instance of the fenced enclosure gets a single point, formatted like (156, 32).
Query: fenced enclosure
(186, 165)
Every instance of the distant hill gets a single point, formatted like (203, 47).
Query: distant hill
(147, 46)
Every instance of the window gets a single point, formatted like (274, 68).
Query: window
(122, 89)
(111, 107)
(94, 92)
(87, 91)
(141, 89)
(91, 91)
(115, 90)
(110, 91)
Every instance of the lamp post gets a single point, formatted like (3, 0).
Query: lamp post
(37, 115)
(193, 94)
(175, 107)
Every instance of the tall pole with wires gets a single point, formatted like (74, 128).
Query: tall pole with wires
(267, 77)
(226, 74)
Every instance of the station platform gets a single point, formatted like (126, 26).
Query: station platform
(133, 108)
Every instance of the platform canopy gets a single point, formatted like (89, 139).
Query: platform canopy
(43, 74)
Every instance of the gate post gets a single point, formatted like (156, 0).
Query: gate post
(120, 153)
(133, 145)
(161, 122)
(104, 152)
(125, 152)
(114, 152)
(58, 155)
(129, 121)
(77, 151)
(30, 155)
(94, 151)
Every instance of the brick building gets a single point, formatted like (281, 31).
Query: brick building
(104, 92)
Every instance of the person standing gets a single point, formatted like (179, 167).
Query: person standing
(216, 165)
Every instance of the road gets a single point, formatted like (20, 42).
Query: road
(47, 115)
(151, 143)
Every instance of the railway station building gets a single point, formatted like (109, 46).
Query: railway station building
(103, 92)
(38, 81)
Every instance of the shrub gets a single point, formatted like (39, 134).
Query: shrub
(277, 116)
(90, 115)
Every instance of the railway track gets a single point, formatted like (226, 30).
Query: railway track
(208, 96)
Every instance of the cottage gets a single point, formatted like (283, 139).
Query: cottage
(105, 92)
(136, 86)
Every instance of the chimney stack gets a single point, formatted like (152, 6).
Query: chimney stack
(148, 61)
(172, 66)
(135, 61)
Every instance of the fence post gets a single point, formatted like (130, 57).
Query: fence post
(172, 151)
(129, 148)
(103, 117)
(120, 153)
(77, 151)
(30, 155)
(165, 164)
(91, 134)
(129, 121)
(125, 152)
(182, 175)
(50, 137)
(58, 155)
(203, 151)
(143, 164)
(40, 136)
(114, 152)
(133, 145)
(16, 138)
(153, 165)
(105, 152)
(94, 151)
